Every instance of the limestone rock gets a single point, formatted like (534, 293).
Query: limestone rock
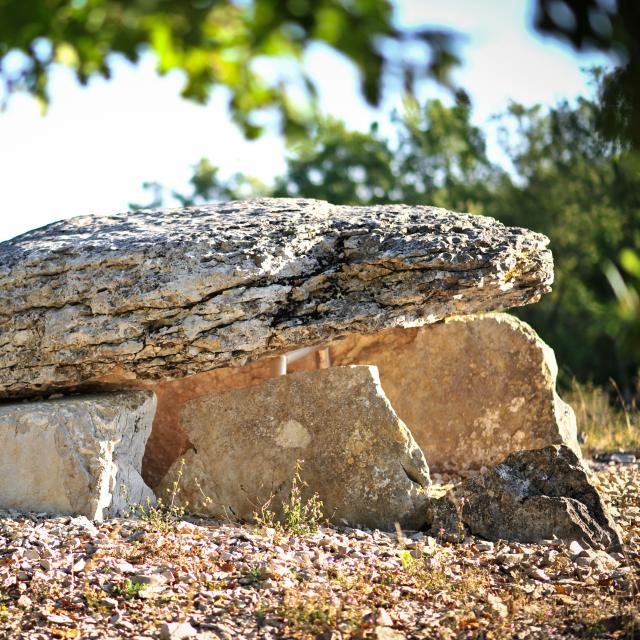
(77, 455)
(358, 456)
(532, 496)
(472, 389)
(168, 439)
(168, 293)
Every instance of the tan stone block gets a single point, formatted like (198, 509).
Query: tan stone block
(472, 389)
(358, 455)
(79, 455)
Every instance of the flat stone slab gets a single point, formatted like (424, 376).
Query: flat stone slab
(79, 455)
(358, 455)
(168, 293)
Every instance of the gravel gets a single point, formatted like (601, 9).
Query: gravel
(63, 577)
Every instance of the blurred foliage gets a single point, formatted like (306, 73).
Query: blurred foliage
(439, 157)
(206, 185)
(255, 48)
(584, 193)
(340, 166)
(564, 180)
(613, 27)
(627, 291)
(606, 421)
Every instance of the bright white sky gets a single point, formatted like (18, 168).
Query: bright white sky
(93, 149)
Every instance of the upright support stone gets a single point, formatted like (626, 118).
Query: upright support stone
(78, 455)
(358, 455)
(472, 389)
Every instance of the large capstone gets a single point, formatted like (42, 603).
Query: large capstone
(163, 294)
(358, 455)
(75, 455)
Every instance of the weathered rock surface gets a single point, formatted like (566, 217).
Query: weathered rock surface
(472, 389)
(168, 439)
(358, 455)
(531, 496)
(168, 293)
(75, 455)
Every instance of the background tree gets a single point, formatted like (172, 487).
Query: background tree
(627, 308)
(206, 185)
(611, 27)
(583, 192)
(341, 166)
(441, 157)
(255, 48)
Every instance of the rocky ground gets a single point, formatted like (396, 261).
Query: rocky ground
(68, 578)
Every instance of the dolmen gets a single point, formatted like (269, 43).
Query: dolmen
(220, 345)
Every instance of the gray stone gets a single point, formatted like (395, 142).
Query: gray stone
(358, 455)
(167, 293)
(531, 496)
(78, 455)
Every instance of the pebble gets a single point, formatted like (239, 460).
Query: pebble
(619, 457)
(176, 631)
(152, 579)
(383, 618)
(111, 603)
(575, 548)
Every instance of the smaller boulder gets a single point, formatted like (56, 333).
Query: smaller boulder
(359, 457)
(77, 455)
(531, 496)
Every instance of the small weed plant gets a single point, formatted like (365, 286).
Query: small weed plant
(164, 515)
(299, 516)
(407, 561)
(127, 589)
(255, 574)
